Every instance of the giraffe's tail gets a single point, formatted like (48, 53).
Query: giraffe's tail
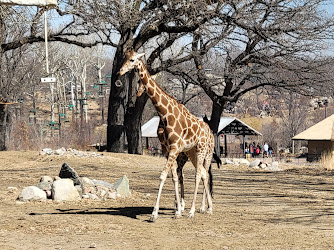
(217, 159)
(210, 181)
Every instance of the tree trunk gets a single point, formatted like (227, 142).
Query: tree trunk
(216, 113)
(116, 108)
(132, 124)
(116, 111)
(3, 127)
(125, 114)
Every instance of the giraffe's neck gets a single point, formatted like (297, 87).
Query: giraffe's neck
(161, 100)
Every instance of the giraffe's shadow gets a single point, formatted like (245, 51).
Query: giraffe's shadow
(130, 212)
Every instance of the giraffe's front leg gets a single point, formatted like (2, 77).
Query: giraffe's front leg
(171, 164)
(155, 212)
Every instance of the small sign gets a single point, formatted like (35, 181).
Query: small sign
(48, 80)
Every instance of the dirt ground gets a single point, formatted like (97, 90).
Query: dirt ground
(253, 209)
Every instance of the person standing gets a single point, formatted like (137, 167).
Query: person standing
(251, 149)
(270, 151)
(265, 149)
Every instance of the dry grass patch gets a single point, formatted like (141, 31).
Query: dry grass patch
(327, 161)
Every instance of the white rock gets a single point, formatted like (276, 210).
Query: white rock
(32, 193)
(47, 151)
(112, 195)
(254, 163)
(86, 181)
(46, 179)
(93, 196)
(64, 190)
(263, 165)
(85, 196)
(122, 186)
(12, 189)
(59, 151)
(236, 161)
(228, 161)
(244, 162)
(103, 193)
(274, 167)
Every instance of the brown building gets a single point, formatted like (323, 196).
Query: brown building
(320, 138)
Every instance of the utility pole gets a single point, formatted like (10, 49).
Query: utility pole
(101, 88)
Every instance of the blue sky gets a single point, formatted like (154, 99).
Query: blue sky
(329, 7)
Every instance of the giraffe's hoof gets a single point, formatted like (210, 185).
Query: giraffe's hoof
(202, 211)
(191, 215)
(153, 218)
(209, 211)
(177, 215)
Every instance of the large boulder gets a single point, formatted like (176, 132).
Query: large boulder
(46, 179)
(64, 190)
(244, 162)
(255, 163)
(32, 193)
(274, 166)
(122, 186)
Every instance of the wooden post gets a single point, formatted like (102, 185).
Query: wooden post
(244, 145)
(225, 140)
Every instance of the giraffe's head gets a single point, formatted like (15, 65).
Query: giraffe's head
(131, 62)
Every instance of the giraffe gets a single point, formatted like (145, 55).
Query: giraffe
(182, 136)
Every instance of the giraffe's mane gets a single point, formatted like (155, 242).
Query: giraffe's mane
(161, 88)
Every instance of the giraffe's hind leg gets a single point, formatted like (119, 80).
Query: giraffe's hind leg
(181, 161)
(207, 182)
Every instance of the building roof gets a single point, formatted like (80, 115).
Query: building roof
(234, 126)
(323, 130)
(227, 126)
(150, 128)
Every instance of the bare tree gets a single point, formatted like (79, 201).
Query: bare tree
(258, 44)
(261, 44)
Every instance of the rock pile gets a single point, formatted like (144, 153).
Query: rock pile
(69, 152)
(257, 164)
(69, 186)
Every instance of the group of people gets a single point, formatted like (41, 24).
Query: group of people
(255, 150)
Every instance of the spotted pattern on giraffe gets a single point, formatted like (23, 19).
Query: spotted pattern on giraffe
(179, 132)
